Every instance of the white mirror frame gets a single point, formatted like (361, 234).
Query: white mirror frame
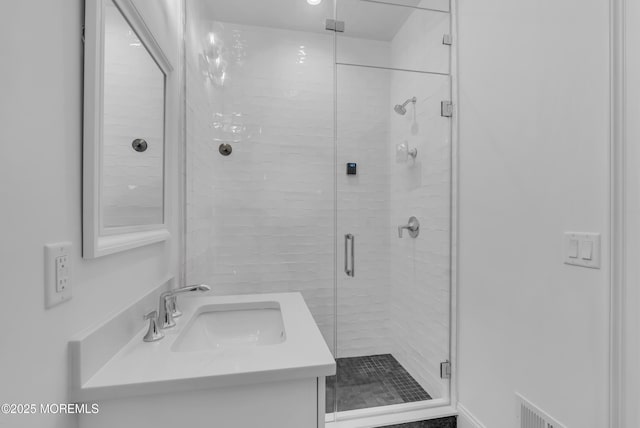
(96, 242)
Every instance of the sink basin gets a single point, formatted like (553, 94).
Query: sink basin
(232, 325)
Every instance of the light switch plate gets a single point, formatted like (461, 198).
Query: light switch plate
(57, 273)
(588, 251)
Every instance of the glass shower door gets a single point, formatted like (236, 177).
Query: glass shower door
(393, 138)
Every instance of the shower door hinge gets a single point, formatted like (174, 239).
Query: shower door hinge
(447, 40)
(334, 25)
(446, 109)
(445, 370)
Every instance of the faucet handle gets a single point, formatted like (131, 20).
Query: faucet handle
(173, 306)
(154, 333)
(413, 226)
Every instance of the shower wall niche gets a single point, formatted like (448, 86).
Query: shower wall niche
(297, 103)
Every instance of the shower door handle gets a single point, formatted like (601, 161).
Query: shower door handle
(349, 269)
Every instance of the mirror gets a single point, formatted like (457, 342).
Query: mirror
(132, 128)
(124, 137)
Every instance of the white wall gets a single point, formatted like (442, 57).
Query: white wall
(40, 188)
(534, 139)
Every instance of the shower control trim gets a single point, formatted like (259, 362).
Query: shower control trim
(349, 243)
(413, 227)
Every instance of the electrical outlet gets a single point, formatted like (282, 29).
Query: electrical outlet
(62, 273)
(57, 273)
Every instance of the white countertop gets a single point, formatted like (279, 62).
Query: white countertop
(142, 368)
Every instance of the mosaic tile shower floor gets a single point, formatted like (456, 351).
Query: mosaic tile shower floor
(372, 381)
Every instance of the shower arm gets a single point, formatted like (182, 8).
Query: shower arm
(410, 100)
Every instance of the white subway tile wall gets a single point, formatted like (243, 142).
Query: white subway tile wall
(261, 219)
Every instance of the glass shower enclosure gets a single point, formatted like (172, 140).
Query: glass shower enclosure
(319, 160)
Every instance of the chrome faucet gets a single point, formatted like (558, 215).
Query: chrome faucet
(167, 304)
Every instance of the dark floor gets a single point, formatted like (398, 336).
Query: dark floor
(372, 381)
(449, 422)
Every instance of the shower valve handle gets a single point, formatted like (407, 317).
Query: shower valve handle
(413, 227)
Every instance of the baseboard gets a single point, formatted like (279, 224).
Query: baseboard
(466, 418)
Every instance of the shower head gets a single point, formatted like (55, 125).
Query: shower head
(400, 108)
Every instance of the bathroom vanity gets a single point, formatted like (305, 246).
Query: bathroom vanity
(231, 361)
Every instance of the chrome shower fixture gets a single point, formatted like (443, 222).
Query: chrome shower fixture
(403, 152)
(400, 109)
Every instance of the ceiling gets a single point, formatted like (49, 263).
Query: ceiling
(363, 19)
